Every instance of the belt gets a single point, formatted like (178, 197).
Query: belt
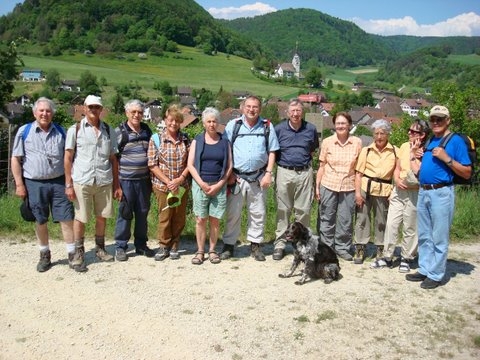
(434, 186)
(295, 168)
(247, 173)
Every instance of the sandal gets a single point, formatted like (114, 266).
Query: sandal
(404, 267)
(198, 258)
(213, 257)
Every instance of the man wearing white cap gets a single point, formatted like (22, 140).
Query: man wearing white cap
(436, 197)
(90, 171)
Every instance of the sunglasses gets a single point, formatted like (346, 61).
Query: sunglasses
(435, 119)
(414, 132)
(94, 106)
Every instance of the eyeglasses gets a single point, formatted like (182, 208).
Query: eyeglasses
(94, 107)
(380, 134)
(414, 132)
(436, 119)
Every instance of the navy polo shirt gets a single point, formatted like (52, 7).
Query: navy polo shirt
(296, 146)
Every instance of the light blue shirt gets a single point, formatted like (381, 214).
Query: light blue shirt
(249, 151)
(91, 162)
(42, 152)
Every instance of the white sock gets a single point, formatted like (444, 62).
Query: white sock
(43, 248)
(70, 248)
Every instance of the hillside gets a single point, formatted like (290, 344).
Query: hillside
(120, 26)
(319, 36)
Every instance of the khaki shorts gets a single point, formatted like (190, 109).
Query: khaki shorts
(98, 197)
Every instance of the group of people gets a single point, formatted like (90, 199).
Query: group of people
(92, 164)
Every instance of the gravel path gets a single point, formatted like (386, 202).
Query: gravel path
(238, 309)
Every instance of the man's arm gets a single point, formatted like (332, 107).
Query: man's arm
(17, 172)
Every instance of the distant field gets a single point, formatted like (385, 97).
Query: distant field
(189, 68)
(471, 59)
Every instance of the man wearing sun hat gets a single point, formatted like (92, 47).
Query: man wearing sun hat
(436, 197)
(90, 172)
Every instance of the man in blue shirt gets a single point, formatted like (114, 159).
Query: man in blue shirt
(253, 160)
(436, 197)
(37, 166)
(298, 140)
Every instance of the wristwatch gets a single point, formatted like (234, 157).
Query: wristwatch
(449, 162)
(68, 186)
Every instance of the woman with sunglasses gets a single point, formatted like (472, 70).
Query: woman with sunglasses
(402, 207)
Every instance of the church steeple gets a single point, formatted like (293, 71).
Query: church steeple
(296, 61)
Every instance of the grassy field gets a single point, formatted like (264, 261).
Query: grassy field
(471, 59)
(190, 67)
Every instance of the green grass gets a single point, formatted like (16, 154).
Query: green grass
(189, 68)
(471, 59)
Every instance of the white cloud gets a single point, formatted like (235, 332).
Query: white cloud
(247, 10)
(467, 24)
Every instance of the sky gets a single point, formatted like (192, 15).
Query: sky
(402, 17)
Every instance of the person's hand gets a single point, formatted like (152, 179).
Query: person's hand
(359, 200)
(21, 191)
(401, 184)
(70, 192)
(440, 154)
(266, 180)
(118, 193)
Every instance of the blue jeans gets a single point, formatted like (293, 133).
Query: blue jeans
(137, 193)
(434, 218)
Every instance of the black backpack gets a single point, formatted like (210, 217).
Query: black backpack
(124, 132)
(472, 154)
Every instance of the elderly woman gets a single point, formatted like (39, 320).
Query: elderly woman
(403, 201)
(373, 185)
(167, 161)
(335, 186)
(210, 164)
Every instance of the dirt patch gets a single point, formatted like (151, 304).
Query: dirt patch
(238, 309)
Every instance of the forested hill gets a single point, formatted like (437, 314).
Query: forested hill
(319, 36)
(120, 25)
(459, 45)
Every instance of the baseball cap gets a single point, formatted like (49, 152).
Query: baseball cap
(93, 100)
(26, 211)
(440, 111)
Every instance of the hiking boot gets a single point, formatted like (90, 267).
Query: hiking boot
(415, 277)
(429, 284)
(162, 254)
(145, 251)
(78, 260)
(227, 252)
(278, 254)
(120, 255)
(45, 261)
(256, 252)
(174, 254)
(359, 254)
(345, 255)
(379, 254)
(100, 251)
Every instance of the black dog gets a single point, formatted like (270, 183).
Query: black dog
(320, 260)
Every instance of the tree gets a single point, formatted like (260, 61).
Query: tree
(314, 77)
(89, 85)
(118, 105)
(52, 80)
(8, 71)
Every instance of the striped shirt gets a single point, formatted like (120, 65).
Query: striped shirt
(42, 152)
(339, 160)
(171, 157)
(133, 157)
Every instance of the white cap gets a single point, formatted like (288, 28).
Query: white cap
(93, 100)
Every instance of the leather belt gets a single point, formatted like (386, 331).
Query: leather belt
(247, 173)
(295, 168)
(433, 186)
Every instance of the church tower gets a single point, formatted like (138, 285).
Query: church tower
(296, 62)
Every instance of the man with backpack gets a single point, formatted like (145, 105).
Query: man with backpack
(133, 137)
(436, 198)
(38, 170)
(254, 143)
(91, 177)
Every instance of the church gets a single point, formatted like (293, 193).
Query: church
(289, 70)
